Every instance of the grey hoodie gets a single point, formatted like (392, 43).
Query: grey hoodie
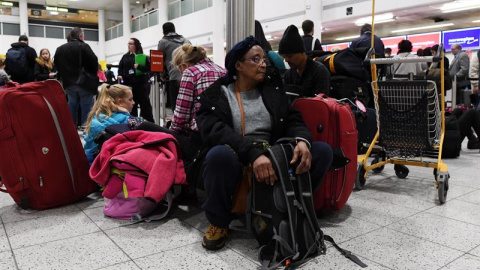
(168, 44)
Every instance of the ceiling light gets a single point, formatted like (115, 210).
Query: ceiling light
(53, 13)
(476, 21)
(138, 2)
(344, 38)
(386, 17)
(460, 5)
(422, 27)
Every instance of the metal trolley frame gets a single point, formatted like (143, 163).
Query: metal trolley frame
(411, 124)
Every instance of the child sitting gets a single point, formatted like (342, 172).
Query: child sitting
(112, 107)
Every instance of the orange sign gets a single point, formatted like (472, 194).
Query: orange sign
(156, 61)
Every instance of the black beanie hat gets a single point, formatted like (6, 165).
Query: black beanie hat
(236, 53)
(291, 41)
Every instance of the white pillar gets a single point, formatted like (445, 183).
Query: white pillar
(313, 12)
(101, 35)
(240, 21)
(218, 36)
(162, 13)
(23, 14)
(127, 21)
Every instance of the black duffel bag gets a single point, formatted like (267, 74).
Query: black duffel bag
(347, 62)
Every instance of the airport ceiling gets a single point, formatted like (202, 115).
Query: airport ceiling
(407, 18)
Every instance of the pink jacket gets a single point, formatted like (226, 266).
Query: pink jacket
(156, 153)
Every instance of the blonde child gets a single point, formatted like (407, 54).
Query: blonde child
(112, 107)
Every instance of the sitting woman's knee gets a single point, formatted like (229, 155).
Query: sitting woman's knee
(221, 156)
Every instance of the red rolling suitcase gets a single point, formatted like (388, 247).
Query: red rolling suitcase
(42, 162)
(332, 122)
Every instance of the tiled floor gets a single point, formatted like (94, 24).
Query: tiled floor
(391, 224)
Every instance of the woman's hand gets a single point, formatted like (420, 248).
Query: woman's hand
(135, 66)
(52, 74)
(301, 151)
(263, 170)
(119, 78)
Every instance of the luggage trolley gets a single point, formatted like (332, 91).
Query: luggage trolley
(411, 125)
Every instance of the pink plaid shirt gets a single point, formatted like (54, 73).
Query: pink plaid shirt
(195, 80)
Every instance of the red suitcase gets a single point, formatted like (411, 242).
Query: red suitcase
(332, 122)
(42, 162)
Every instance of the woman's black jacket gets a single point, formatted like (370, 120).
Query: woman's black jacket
(42, 72)
(126, 64)
(214, 119)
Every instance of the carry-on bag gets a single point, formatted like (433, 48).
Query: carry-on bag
(283, 216)
(43, 164)
(351, 88)
(333, 122)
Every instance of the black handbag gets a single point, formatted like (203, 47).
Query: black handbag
(86, 80)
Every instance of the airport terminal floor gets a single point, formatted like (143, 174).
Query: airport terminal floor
(392, 224)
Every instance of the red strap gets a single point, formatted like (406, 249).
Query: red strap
(240, 106)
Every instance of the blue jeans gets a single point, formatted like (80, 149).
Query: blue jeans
(223, 170)
(78, 97)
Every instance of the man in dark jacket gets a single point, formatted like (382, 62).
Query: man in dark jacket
(20, 61)
(311, 43)
(312, 76)
(365, 41)
(69, 59)
(168, 44)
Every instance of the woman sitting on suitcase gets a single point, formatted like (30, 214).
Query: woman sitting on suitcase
(112, 107)
(240, 116)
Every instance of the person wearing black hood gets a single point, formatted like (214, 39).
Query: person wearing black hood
(312, 76)
(170, 41)
(21, 71)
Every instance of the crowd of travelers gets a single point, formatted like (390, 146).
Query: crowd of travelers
(235, 113)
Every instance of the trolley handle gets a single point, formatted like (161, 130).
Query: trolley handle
(420, 59)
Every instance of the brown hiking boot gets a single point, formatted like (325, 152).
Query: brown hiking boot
(215, 237)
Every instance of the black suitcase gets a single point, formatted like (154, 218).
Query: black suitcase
(351, 88)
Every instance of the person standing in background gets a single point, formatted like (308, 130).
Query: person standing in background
(44, 67)
(474, 73)
(20, 61)
(109, 75)
(70, 59)
(136, 76)
(170, 41)
(311, 43)
(459, 67)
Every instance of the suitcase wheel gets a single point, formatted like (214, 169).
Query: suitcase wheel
(360, 180)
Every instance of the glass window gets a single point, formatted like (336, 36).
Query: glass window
(114, 32)
(36, 31)
(136, 25)
(174, 10)
(67, 31)
(120, 30)
(187, 7)
(91, 35)
(11, 29)
(153, 18)
(108, 34)
(53, 32)
(143, 22)
(201, 4)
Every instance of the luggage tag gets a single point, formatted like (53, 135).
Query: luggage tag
(131, 71)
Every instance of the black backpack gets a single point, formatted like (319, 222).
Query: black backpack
(16, 61)
(452, 142)
(283, 216)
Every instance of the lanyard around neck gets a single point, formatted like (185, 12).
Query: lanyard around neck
(240, 106)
